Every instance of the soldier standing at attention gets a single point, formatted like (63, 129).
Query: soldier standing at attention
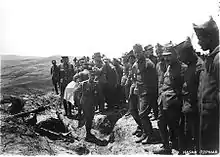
(190, 119)
(145, 87)
(170, 101)
(66, 72)
(209, 92)
(89, 90)
(54, 71)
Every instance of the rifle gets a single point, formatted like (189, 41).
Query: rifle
(24, 114)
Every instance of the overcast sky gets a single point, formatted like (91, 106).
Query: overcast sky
(82, 27)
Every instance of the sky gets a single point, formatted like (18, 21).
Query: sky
(82, 27)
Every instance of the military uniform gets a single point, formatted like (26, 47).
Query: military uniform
(170, 103)
(88, 100)
(54, 71)
(65, 75)
(209, 93)
(79, 77)
(144, 90)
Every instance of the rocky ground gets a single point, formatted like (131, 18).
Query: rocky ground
(113, 129)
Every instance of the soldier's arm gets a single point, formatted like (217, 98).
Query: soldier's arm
(216, 71)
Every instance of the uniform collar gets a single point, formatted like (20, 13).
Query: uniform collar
(214, 52)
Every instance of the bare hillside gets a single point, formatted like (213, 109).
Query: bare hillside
(24, 74)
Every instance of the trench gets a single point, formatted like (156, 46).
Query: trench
(51, 128)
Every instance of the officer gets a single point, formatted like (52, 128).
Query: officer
(54, 71)
(170, 101)
(66, 72)
(190, 120)
(145, 89)
(89, 90)
(208, 36)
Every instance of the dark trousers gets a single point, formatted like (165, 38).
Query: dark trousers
(210, 130)
(143, 103)
(189, 127)
(170, 118)
(88, 108)
(62, 88)
(55, 84)
(67, 107)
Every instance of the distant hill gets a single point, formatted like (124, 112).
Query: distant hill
(23, 74)
(16, 57)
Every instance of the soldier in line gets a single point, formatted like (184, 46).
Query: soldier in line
(190, 118)
(66, 72)
(145, 89)
(88, 100)
(119, 89)
(100, 78)
(149, 53)
(78, 78)
(209, 92)
(54, 71)
(170, 102)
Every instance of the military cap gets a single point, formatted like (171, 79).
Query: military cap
(184, 45)
(148, 47)
(96, 55)
(209, 27)
(138, 47)
(64, 57)
(168, 49)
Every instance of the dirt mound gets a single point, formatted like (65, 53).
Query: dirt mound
(112, 129)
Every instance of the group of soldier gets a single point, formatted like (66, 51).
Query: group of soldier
(179, 87)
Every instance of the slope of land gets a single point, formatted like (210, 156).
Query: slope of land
(26, 75)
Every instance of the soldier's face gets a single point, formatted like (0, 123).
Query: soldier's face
(131, 60)
(167, 58)
(138, 54)
(204, 42)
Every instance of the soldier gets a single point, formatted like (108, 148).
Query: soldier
(126, 80)
(170, 101)
(80, 77)
(190, 120)
(54, 71)
(149, 52)
(145, 88)
(112, 81)
(89, 90)
(100, 78)
(208, 36)
(119, 69)
(66, 72)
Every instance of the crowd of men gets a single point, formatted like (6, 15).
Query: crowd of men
(179, 87)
